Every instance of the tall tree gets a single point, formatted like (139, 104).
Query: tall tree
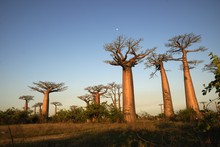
(56, 104)
(97, 91)
(157, 60)
(114, 93)
(39, 104)
(126, 59)
(46, 88)
(180, 44)
(86, 98)
(27, 99)
(35, 106)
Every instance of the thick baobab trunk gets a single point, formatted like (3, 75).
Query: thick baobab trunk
(128, 95)
(45, 107)
(191, 100)
(26, 105)
(97, 99)
(167, 100)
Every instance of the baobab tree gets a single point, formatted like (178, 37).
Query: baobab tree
(27, 99)
(86, 98)
(126, 59)
(39, 104)
(157, 60)
(180, 44)
(35, 106)
(97, 91)
(56, 104)
(114, 93)
(46, 88)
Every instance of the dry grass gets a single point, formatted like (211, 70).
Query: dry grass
(142, 133)
(38, 132)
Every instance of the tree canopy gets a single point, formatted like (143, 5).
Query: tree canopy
(213, 67)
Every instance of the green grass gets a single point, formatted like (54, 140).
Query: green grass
(145, 133)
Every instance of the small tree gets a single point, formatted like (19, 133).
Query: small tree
(180, 44)
(157, 61)
(46, 88)
(56, 104)
(27, 99)
(126, 60)
(97, 91)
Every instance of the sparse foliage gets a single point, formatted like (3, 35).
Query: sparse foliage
(124, 52)
(46, 88)
(56, 104)
(97, 91)
(114, 93)
(157, 60)
(86, 98)
(181, 44)
(27, 99)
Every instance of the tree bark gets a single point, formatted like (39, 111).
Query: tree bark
(119, 101)
(97, 98)
(128, 95)
(167, 100)
(45, 107)
(26, 105)
(191, 100)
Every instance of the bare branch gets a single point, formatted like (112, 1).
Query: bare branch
(26, 97)
(56, 103)
(200, 49)
(181, 42)
(97, 89)
(122, 59)
(48, 86)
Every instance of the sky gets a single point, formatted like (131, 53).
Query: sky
(62, 41)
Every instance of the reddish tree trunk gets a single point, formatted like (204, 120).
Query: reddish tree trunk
(97, 98)
(45, 107)
(167, 100)
(191, 100)
(128, 95)
(26, 105)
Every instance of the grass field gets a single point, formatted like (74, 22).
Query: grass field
(142, 133)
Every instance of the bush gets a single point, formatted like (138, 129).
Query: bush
(186, 115)
(14, 116)
(76, 115)
(115, 115)
(97, 113)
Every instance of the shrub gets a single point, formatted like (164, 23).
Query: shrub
(14, 116)
(115, 115)
(96, 112)
(76, 115)
(186, 115)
